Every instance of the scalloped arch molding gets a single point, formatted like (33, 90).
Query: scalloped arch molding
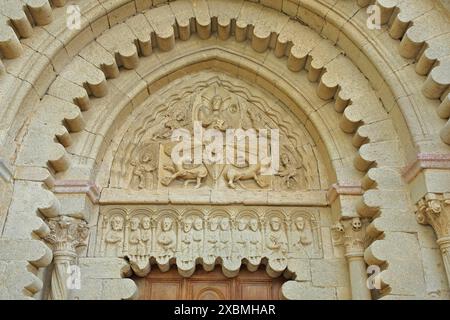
(375, 101)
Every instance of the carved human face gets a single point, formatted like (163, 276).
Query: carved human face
(356, 224)
(117, 223)
(224, 224)
(167, 224)
(198, 224)
(216, 103)
(134, 224)
(187, 226)
(242, 224)
(254, 224)
(300, 223)
(213, 225)
(146, 223)
(275, 224)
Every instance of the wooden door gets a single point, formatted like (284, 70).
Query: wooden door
(209, 286)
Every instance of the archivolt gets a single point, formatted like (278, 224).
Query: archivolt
(337, 79)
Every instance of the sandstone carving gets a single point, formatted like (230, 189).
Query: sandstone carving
(187, 236)
(66, 235)
(357, 89)
(145, 157)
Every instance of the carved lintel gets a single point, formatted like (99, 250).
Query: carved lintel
(189, 235)
(66, 235)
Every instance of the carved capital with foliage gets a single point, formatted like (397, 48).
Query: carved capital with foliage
(67, 234)
(434, 210)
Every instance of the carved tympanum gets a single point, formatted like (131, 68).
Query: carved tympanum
(143, 159)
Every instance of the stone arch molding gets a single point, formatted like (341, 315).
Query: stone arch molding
(262, 37)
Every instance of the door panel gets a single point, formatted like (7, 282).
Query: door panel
(209, 286)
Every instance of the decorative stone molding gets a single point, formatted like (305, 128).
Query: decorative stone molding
(78, 187)
(426, 161)
(66, 235)
(186, 236)
(351, 233)
(434, 210)
(337, 190)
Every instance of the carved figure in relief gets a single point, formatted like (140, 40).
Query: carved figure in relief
(301, 237)
(171, 123)
(254, 240)
(288, 171)
(197, 237)
(146, 235)
(240, 238)
(225, 239)
(212, 239)
(234, 175)
(134, 238)
(167, 239)
(211, 116)
(196, 174)
(142, 169)
(187, 242)
(276, 241)
(114, 237)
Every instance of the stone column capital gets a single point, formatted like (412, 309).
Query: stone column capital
(350, 233)
(434, 209)
(66, 235)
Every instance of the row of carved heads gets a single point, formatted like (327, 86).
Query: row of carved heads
(193, 237)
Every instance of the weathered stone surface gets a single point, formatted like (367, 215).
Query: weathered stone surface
(86, 115)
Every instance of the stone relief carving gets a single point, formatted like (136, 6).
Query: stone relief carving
(144, 169)
(351, 234)
(143, 158)
(187, 236)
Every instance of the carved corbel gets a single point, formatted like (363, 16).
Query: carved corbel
(434, 210)
(66, 235)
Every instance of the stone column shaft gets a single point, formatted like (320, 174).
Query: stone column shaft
(358, 277)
